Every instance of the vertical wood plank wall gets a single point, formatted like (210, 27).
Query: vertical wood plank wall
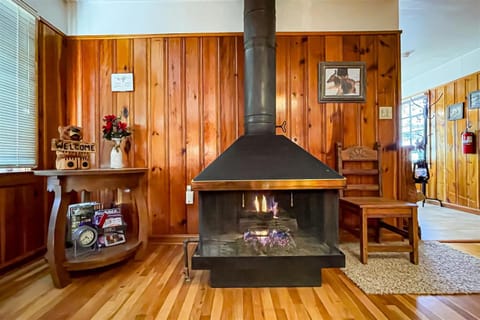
(187, 104)
(454, 175)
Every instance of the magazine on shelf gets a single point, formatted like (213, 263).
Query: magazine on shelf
(111, 227)
(79, 214)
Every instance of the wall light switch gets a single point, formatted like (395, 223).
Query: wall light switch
(385, 113)
(189, 195)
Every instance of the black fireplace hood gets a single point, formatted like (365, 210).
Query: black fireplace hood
(266, 162)
(260, 159)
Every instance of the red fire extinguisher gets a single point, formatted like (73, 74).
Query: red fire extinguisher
(468, 141)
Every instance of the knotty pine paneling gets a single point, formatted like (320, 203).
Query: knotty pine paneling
(296, 89)
(333, 112)
(192, 120)
(141, 67)
(282, 101)
(158, 185)
(315, 53)
(438, 135)
(176, 133)
(187, 106)
(472, 183)
(450, 141)
(51, 90)
(453, 175)
(461, 166)
(106, 103)
(23, 223)
(229, 88)
(210, 82)
(387, 80)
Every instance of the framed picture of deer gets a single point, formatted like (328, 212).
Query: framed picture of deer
(455, 111)
(341, 81)
(474, 100)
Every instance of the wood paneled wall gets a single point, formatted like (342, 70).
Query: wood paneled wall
(454, 175)
(187, 105)
(22, 224)
(51, 91)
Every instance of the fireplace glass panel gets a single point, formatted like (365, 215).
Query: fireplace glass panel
(268, 223)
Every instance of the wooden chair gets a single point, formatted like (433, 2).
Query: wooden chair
(362, 197)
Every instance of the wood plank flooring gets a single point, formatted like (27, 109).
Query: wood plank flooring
(155, 289)
(445, 224)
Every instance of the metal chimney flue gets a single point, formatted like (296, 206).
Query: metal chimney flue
(260, 82)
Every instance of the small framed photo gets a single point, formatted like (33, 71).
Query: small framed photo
(341, 81)
(474, 100)
(109, 239)
(455, 111)
(122, 82)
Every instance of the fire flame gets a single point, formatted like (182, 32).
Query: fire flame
(261, 204)
(264, 204)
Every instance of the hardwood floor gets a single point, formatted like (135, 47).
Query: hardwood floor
(155, 289)
(444, 224)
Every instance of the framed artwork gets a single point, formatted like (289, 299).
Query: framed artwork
(122, 82)
(474, 100)
(341, 81)
(455, 111)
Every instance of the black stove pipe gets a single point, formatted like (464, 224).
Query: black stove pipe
(260, 78)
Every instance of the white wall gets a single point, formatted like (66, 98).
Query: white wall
(53, 11)
(106, 17)
(455, 69)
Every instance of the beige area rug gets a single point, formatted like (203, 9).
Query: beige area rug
(442, 270)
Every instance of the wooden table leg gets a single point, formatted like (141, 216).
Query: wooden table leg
(56, 235)
(363, 237)
(140, 204)
(413, 236)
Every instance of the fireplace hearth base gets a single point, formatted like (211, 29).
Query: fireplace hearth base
(267, 271)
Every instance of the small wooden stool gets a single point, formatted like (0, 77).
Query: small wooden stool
(378, 207)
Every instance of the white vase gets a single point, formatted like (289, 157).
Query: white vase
(116, 155)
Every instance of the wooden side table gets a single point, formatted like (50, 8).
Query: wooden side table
(62, 183)
(382, 208)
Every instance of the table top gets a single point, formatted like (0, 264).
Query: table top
(88, 172)
(377, 202)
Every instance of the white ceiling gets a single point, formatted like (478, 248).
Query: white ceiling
(437, 31)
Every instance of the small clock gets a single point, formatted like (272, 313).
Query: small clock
(85, 236)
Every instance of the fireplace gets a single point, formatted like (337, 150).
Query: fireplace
(268, 210)
(268, 215)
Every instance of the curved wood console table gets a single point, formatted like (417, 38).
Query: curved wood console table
(62, 183)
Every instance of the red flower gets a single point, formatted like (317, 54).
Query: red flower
(110, 118)
(122, 126)
(114, 128)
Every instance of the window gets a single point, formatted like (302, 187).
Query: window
(18, 110)
(413, 125)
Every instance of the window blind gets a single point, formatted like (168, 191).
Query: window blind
(18, 110)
